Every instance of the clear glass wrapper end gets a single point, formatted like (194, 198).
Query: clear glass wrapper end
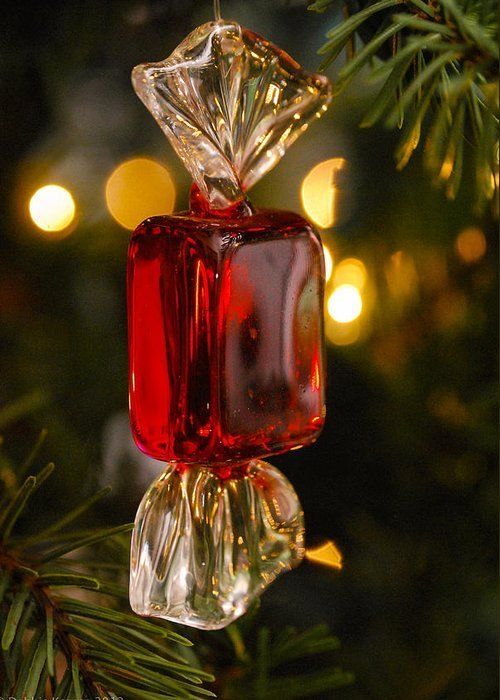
(205, 546)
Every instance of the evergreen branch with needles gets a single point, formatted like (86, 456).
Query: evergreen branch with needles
(436, 65)
(57, 640)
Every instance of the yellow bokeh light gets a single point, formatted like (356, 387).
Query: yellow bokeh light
(328, 263)
(343, 333)
(350, 271)
(345, 303)
(401, 275)
(52, 208)
(327, 554)
(138, 189)
(318, 192)
(470, 245)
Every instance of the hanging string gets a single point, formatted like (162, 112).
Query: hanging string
(217, 13)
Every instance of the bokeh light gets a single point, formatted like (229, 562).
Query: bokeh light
(138, 189)
(327, 554)
(470, 245)
(318, 192)
(328, 263)
(345, 303)
(401, 275)
(343, 333)
(52, 208)
(350, 271)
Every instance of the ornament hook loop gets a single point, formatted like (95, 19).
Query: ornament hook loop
(217, 12)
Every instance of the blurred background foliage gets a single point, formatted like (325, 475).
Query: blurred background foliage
(403, 480)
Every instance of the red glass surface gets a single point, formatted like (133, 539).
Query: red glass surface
(225, 334)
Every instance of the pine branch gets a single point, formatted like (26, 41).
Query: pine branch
(264, 665)
(20, 408)
(443, 70)
(77, 649)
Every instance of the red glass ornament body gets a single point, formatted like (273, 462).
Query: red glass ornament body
(225, 314)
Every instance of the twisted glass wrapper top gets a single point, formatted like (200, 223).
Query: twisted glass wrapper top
(230, 103)
(205, 546)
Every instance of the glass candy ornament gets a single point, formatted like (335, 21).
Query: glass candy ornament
(225, 307)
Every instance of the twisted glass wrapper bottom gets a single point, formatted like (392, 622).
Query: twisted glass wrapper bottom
(204, 546)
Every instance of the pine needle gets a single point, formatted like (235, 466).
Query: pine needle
(432, 42)
(13, 617)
